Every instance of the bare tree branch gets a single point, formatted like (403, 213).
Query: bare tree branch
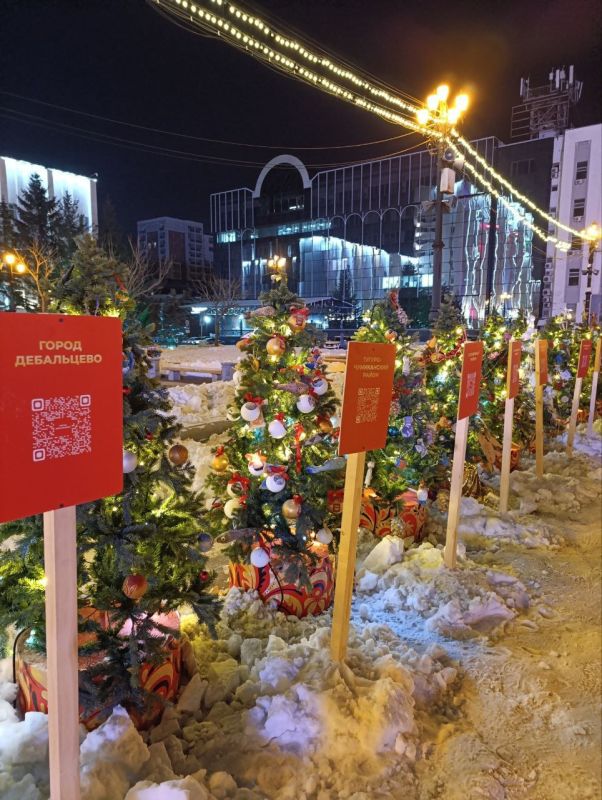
(222, 297)
(144, 275)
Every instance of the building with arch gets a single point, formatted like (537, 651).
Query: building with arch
(367, 228)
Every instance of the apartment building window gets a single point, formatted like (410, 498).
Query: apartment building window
(576, 243)
(579, 207)
(574, 276)
(524, 167)
(581, 171)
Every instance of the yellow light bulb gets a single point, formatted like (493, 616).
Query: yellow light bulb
(443, 92)
(423, 116)
(432, 101)
(462, 102)
(21, 268)
(453, 115)
(9, 259)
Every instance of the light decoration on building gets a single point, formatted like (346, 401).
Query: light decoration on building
(243, 29)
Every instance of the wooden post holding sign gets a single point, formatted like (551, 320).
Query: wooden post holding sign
(468, 404)
(541, 378)
(512, 387)
(592, 399)
(61, 443)
(585, 352)
(364, 423)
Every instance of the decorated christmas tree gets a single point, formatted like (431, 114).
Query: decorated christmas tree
(140, 552)
(564, 336)
(271, 478)
(410, 454)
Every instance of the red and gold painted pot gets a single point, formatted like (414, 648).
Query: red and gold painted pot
(292, 599)
(376, 515)
(160, 680)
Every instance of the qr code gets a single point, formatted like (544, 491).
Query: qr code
(367, 405)
(61, 426)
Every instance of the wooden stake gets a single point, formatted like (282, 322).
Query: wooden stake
(573, 417)
(354, 479)
(538, 413)
(455, 492)
(592, 404)
(60, 564)
(506, 455)
(592, 399)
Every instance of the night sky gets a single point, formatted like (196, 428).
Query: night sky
(120, 59)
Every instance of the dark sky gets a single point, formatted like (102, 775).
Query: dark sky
(120, 59)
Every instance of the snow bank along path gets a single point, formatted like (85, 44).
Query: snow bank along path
(478, 683)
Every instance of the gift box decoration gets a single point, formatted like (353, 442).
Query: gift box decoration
(160, 680)
(291, 598)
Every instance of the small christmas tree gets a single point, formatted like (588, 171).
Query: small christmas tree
(271, 477)
(140, 552)
(409, 455)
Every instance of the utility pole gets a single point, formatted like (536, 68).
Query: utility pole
(438, 120)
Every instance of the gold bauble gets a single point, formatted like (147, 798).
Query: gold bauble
(325, 425)
(390, 336)
(291, 509)
(220, 463)
(275, 346)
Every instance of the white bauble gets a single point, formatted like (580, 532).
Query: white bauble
(260, 557)
(233, 414)
(320, 386)
(276, 429)
(235, 489)
(306, 404)
(130, 461)
(324, 536)
(231, 507)
(422, 495)
(250, 412)
(256, 470)
(275, 483)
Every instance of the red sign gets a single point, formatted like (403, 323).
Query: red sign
(61, 411)
(585, 352)
(541, 361)
(513, 378)
(470, 383)
(367, 397)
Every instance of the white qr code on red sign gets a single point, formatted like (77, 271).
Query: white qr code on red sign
(61, 426)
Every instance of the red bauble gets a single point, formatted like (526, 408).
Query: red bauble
(134, 586)
(203, 576)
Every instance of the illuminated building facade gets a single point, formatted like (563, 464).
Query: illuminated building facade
(15, 176)
(367, 228)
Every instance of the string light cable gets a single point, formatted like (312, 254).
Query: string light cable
(106, 138)
(246, 31)
(197, 138)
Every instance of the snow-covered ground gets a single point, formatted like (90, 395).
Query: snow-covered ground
(483, 682)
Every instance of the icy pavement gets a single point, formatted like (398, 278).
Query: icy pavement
(482, 682)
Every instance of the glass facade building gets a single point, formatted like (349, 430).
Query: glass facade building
(366, 228)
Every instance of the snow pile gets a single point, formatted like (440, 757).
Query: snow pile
(481, 525)
(199, 358)
(569, 487)
(460, 603)
(206, 402)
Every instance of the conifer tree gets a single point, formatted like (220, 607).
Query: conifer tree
(140, 553)
(270, 479)
(36, 215)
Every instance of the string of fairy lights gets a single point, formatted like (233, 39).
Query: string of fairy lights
(255, 36)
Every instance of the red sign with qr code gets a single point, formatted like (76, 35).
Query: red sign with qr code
(513, 377)
(366, 397)
(585, 352)
(470, 383)
(61, 411)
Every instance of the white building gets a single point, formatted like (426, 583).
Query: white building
(575, 200)
(182, 241)
(15, 176)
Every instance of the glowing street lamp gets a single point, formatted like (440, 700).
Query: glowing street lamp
(438, 118)
(593, 234)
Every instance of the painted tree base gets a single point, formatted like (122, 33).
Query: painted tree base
(292, 599)
(162, 681)
(405, 517)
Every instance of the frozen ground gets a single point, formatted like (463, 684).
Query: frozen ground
(478, 683)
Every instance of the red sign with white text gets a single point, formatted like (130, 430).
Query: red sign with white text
(367, 397)
(61, 411)
(470, 382)
(513, 377)
(585, 352)
(541, 356)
